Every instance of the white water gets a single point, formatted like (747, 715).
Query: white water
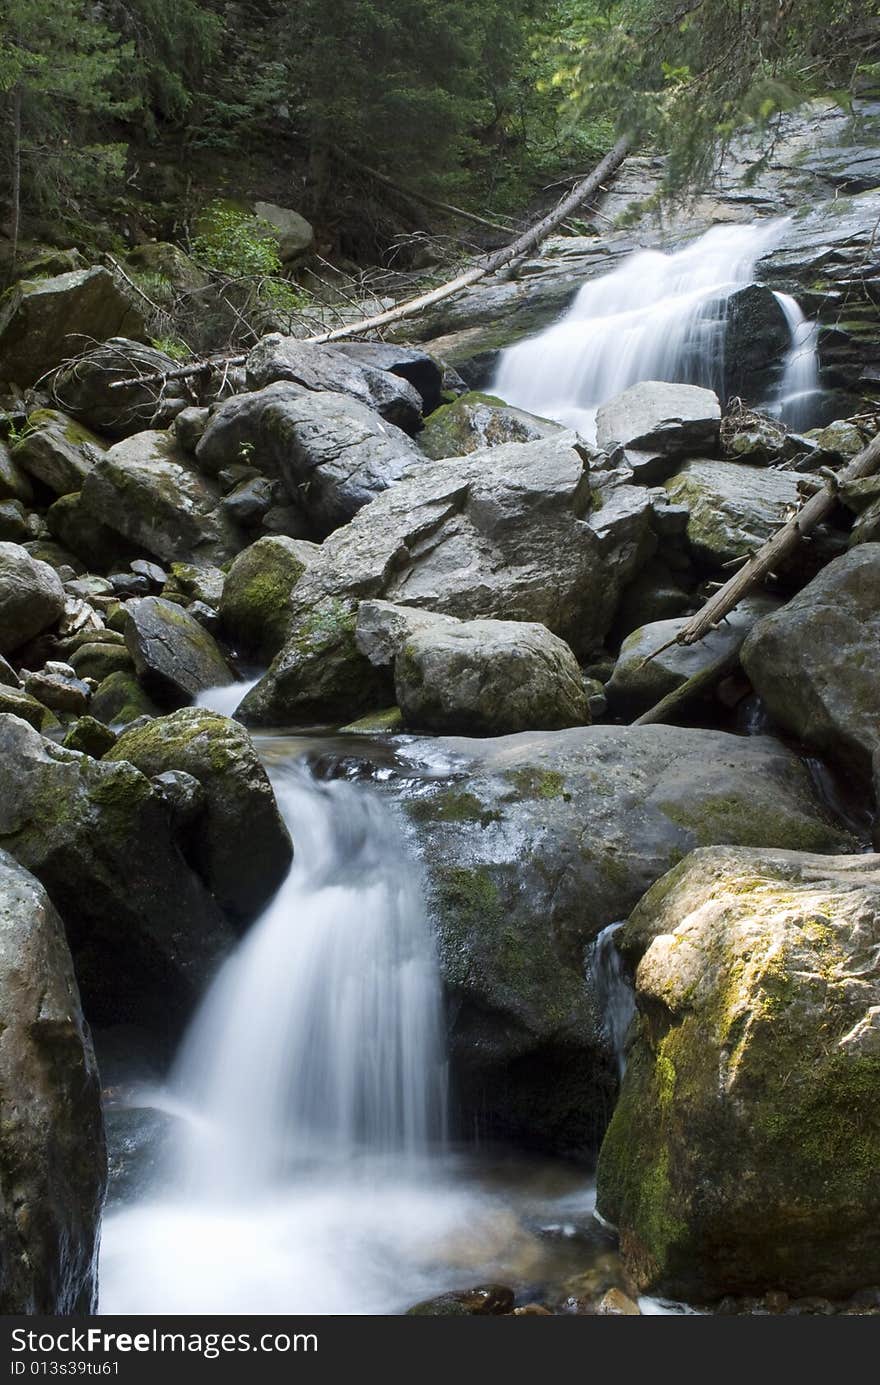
(613, 991)
(657, 316)
(799, 386)
(226, 697)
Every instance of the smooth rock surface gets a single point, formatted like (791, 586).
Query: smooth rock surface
(734, 508)
(31, 597)
(678, 420)
(174, 656)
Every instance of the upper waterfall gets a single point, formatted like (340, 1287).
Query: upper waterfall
(658, 316)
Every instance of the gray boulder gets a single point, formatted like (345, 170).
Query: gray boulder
(15, 484)
(149, 493)
(512, 533)
(174, 656)
(241, 847)
(52, 1137)
(534, 843)
(489, 677)
(75, 526)
(756, 341)
(45, 321)
(816, 662)
(476, 421)
(743, 1153)
(255, 604)
(734, 508)
(31, 597)
(421, 370)
(677, 420)
(277, 357)
(296, 236)
(333, 453)
(144, 932)
(89, 388)
(57, 451)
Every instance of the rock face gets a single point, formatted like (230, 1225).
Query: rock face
(646, 670)
(255, 605)
(734, 508)
(677, 420)
(756, 340)
(489, 677)
(86, 389)
(476, 421)
(240, 845)
(816, 662)
(174, 656)
(31, 597)
(532, 845)
(508, 533)
(144, 932)
(149, 493)
(44, 321)
(56, 451)
(52, 1140)
(420, 369)
(333, 453)
(319, 368)
(744, 1152)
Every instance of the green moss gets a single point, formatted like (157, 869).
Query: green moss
(536, 783)
(386, 723)
(452, 807)
(745, 822)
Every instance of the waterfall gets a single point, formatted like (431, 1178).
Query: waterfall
(799, 385)
(613, 991)
(658, 316)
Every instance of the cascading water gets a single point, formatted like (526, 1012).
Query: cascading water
(656, 317)
(799, 385)
(613, 992)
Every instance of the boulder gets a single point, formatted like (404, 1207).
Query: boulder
(296, 236)
(333, 453)
(255, 603)
(31, 597)
(241, 847)
(89, 736)
(144, 932)
(757, 338)
(98, 660)
(421, 370)
(13, 522)
(734, 508)
(74, 525)
(755, 438)
(816, 662)
(383, 629)
(162, 261)
(25, 705)
(489, 677)
(148, 492)
(119, 699)
(475, 421)
(52, 1136)
(532, 844)
(512, 533)
(174, 656)
(45, 321)
(62, 692)
(15, 484)
(56, 451)
(743, 1154)
(650, 664)
(677, 420)
(89, 388)
(277, 357)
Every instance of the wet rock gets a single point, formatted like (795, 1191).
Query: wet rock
(144, 931)
(144, 489)
(189, 425)
(15, 484)
(155, 575)
(250, 501)
(513, 533)
(195, 583)
(476, 421)
(88, 389)
(13, 522)
(174, 657)
(489, 677)
(31, 597)
(52, 1139)
(75, 526)
(242, 850)
(757, 338)
(255, 603)
(182, 792)
(420, 369)
(90, 737)
(56, 451)
(120, 699)
(733, 508)
(678, 420)
(816, 662)
(742, 1154)
(277, 357)
(487, 1301)
(62, 692)
(44, 321)
(99, 660)
(534, 843)
(334, 453)
(23, 704)
(616, 1304)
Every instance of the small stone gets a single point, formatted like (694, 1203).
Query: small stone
(129, 584)
(155, 574)
(89, 586)
(59, 692)
(616, 1304)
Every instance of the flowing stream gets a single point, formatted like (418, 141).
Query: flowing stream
(658, 316)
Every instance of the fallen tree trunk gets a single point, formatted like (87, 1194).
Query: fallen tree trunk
(487, 265)
(414, 196)
(751, 575)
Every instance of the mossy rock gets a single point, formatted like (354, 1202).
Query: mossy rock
(476, 420)
(255, 604)
(119, 699)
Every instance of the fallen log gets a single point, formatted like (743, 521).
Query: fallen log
(486, 265)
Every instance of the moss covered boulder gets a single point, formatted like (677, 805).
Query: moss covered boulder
(734, 508)
(475, 421)
(52, 1136)
(144, 931)
(533, 844)
(744, 1153)
(119, 699)
(816, 662)
(255, 604)
(241, 847)
(57, 451)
